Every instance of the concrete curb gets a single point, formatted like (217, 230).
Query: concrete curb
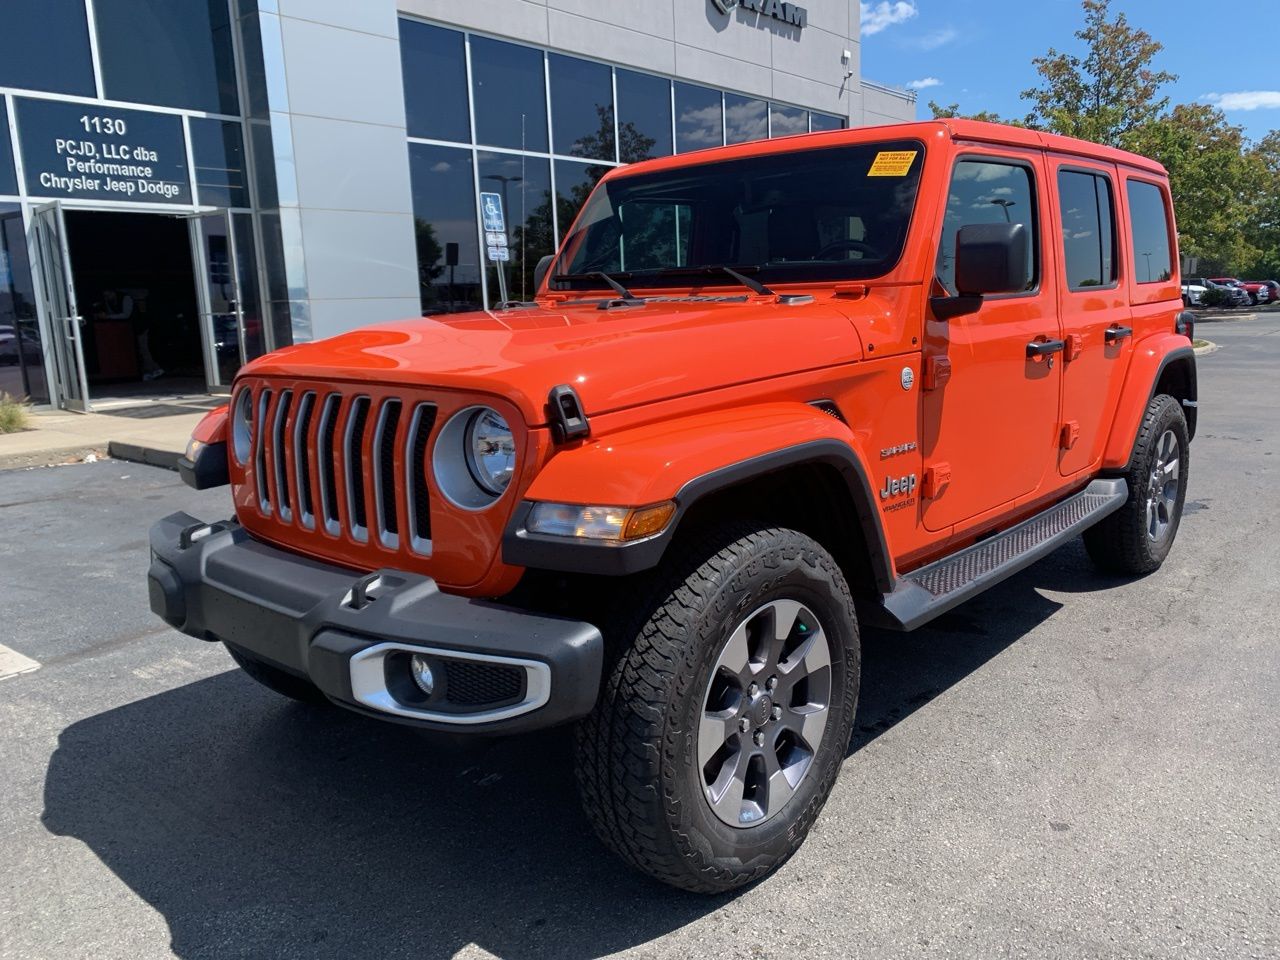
(60, 456)
(1208, 348)
(136, 453)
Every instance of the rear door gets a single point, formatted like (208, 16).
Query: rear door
(1093, 303)
(990, 429)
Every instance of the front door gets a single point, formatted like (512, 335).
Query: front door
(58, 297)
(213, 249)
(990, 428)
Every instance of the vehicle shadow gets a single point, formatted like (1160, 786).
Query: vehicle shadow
(258, 827)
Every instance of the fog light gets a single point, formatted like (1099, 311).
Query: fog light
(422, 676)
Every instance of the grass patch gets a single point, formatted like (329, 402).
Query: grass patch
(14, 414)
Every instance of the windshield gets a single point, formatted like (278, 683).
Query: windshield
(836, 213)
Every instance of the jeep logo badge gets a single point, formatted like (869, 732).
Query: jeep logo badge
(893, 486)
(908, 378)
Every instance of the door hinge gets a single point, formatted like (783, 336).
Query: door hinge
(1070, 434)
(936, 478)
(937, 371)
(1075, 344)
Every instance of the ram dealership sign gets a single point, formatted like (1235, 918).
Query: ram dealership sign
(786, 12)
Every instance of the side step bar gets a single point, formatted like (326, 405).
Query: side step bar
(923, 594)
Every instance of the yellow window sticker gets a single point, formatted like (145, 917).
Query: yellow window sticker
(892, 163)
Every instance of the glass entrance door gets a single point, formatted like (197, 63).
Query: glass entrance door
(58, 294)
(213, 248)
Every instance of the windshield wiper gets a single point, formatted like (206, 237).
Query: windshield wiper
(618, 288)
(755, 286)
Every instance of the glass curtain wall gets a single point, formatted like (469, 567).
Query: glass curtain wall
(538, 129)
(164, 68)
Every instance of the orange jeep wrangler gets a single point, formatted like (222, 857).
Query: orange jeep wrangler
(764, 393)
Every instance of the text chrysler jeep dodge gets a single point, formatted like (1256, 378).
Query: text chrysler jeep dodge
(765, 392)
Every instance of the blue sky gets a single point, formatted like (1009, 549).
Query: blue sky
(978, 52)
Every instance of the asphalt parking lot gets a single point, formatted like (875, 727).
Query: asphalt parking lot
(1069, 766)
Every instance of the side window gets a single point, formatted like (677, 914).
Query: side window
(1149, 228)
(1088, 229)
(988, 191)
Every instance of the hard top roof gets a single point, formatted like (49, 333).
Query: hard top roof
(956, 130)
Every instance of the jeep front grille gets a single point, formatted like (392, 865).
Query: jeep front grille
(324, 457)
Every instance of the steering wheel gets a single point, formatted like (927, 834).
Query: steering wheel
(837, 246)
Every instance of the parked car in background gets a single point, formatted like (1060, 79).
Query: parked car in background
(1258, 290)
(1239, 295)
(1193, 293)
(1273, 287)
(1232, 296)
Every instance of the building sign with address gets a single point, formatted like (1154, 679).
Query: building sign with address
(88, 152)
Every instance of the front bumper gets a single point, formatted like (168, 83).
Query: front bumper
(501, 669)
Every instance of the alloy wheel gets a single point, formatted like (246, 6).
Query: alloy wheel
(1162, 487)
(765, 712)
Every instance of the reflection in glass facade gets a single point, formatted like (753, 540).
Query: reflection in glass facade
(644, 116)
(581, 107)
(44, 45)
(785, 121)
(524, 183)
(218, 149)
(600, 116)
(435, 82)
(444, 221)
(8, 176)
(21, 354)
(699, 118)
(509, 88)
(745, 119)
(173, 53)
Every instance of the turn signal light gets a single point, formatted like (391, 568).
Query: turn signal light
(617, 524)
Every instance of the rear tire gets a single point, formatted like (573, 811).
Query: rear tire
(678, 766)
(273, 678)
(1137, 537)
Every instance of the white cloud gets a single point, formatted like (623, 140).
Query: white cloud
(934, 39)
(880, 16)
(1245, 100)
(924, 83)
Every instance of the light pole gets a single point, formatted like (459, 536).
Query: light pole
(1004, 205)
(1148, 256)
(506, 213)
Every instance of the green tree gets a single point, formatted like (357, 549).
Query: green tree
(1214, 181)
(952, 111)
(1110, 91)
(1264, 157)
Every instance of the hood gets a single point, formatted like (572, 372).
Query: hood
(614, 358)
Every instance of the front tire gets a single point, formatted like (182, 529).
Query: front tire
(1136, 538)
(688, 769)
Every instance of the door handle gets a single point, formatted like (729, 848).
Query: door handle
(1116, 332)
(1044, 348)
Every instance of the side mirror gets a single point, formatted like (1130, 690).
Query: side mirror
(991, 258)
(540, 271)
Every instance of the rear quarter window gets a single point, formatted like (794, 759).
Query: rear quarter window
(1152, 253)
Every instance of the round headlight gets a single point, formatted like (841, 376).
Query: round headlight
(491, 450)
(242, 426)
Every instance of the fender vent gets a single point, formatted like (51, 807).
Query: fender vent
(829, 408)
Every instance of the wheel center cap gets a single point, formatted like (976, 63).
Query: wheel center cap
(760, 710)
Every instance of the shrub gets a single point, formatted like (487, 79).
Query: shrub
(13, 414)
(1215, 297)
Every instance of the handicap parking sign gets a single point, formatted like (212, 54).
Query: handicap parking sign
(491, 212)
